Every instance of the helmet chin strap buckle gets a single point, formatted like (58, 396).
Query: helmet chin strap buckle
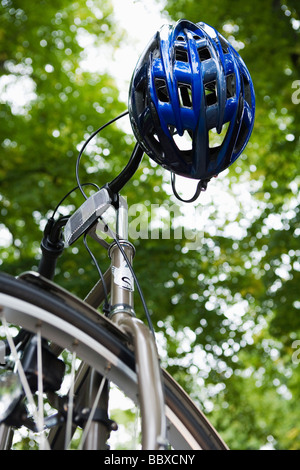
(202, 185)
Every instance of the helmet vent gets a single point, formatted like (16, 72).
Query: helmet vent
(216, 139)
(181, 55)
(247, 90)
(162, 90)
(230, 82)
(185, 95)
(204, 54)
(183, 142)
(211, 93)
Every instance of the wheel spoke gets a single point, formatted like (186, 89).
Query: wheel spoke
(40, 411)
(92, 413)
(70, 404)
(43, 441)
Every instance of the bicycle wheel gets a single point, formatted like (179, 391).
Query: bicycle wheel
(73, 326)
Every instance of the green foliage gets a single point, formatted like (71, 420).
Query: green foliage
(40, 50)
(254, 400)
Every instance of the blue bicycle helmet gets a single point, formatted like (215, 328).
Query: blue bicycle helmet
(189, 81)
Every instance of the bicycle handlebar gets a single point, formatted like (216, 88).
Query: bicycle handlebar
(52, 244)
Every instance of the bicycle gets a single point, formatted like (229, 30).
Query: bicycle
(114, 347)
(44, 386)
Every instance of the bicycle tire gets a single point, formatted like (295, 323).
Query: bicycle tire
(63, 318)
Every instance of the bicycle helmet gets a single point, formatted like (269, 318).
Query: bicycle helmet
(188, 82)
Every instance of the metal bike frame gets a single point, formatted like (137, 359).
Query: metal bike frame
(150, 385)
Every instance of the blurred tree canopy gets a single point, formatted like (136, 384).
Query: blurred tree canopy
(254, 382)
(50, 104)
(228, 305)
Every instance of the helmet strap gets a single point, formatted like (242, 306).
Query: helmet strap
(202, 185)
